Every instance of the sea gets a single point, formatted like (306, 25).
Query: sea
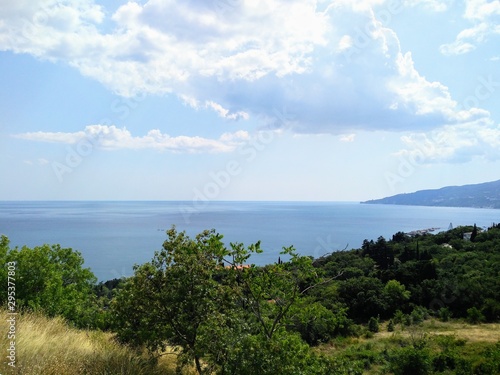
(112, 236)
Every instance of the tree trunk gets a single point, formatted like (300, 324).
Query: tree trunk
(198, 365)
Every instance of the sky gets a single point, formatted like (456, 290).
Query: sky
(202, 100)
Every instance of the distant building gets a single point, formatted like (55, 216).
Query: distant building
(467, 236)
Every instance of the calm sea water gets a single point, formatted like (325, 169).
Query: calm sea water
(113, 236)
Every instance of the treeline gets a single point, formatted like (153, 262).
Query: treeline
(454, 273)
(227, 316)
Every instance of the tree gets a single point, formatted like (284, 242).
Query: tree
(203, 298)
(396, 295)
(52, 279)
(175, 297)
(474, 233)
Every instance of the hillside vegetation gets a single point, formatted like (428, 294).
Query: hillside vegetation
(484, 195)
(49, 346)
(423, 304)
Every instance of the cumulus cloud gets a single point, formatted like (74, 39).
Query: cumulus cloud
(484, 15)
(347, 138)
(331, 66)
(434, 5)
(112, 138)
(455, 144)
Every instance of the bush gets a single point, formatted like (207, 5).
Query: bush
(373, 325)
(316, 323)
(390, 326)
(474, 316)
(398, 317)
(53, 280)
(419, 314)
(411, 361)
(444, 314)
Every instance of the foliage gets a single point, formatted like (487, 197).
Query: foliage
(444, 314)
(390, 326)
(315, 323)
(224, 316)
(51, 279)
(373, 325)
(411, 360)
(474, 316)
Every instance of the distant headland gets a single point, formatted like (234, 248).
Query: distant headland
(484, 195)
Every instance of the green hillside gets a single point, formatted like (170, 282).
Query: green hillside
(485, 195)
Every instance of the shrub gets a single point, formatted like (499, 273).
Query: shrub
(419, 314)
(398, 317)
(316, 323)
(411, 361)
(390, 326)
(373, 325)
(444, 314)
(474, 316)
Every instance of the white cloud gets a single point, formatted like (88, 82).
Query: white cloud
(434, 5)
(348, 138)
(332, 67)
(485, 15)
(112, 138)
(223, 112)
(459, 143)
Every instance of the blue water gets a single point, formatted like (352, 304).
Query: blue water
(113, 236)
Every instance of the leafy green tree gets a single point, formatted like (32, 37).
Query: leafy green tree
(363, 296)
(396, 295)
(223, 315)
(176, 297)
(316, 323)
(52, 279)
(473, 233)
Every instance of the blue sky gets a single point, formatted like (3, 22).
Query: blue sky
(247, 100)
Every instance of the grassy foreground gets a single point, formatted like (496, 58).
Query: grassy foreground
(453, 347)
(50, 347)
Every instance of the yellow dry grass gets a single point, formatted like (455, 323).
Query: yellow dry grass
(489, 333)
(50, 347)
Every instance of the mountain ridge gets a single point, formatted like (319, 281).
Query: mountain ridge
(482, 195)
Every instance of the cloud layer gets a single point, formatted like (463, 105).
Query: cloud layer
(484, 15)
(454, 144)
(113, 138)
(331, 67)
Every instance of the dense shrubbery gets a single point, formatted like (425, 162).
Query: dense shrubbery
(199, 296)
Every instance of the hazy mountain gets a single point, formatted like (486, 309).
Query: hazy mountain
(485, 195)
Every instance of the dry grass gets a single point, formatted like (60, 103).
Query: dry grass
(489, 333)
(50, 347)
